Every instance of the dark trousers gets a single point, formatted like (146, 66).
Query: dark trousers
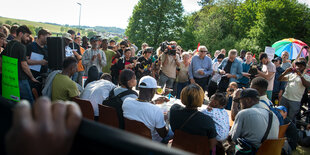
(212, 88)
(202, 82)
(180, 86)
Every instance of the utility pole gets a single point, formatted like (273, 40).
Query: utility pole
(80, 15)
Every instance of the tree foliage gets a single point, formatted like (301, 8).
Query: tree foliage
(154, 21)
(246, 24)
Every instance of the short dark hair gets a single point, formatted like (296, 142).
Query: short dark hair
(13, 29)
(68, 62)
(44, 32)
(260, 84)
(2, 35)
(71, 32)
(220, 97)
(262, 55)
(112, 41)
(124, 43)
(220, 56)
(23, 29)
(125, 76)
(106, 76)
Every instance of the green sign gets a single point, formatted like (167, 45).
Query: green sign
(10, 86)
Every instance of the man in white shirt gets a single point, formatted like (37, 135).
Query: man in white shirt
(268, 72)
(94, 56)
(297, 82)
(97, 91)
(142, 110)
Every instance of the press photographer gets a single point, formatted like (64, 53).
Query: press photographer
(170, 61)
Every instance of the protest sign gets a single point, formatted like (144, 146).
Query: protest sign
(270, 52)
(10, 85)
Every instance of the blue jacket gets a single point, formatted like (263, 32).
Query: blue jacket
(236, 69)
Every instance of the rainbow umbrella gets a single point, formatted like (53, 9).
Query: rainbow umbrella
(292, 46)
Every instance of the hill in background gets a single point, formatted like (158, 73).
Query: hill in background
(57, 29)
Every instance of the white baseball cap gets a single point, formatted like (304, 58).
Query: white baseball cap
(148, 82)
(67, 36)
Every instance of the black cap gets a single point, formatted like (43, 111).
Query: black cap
(220, 56)
(249, 92)
(276, 59)
(301, 62)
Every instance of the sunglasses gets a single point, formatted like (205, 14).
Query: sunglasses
(123, 47)
(203, 51)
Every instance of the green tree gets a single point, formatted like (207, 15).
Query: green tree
(91, 34)
(8, 22)
(62, 29)
(188, 40)
(32, 29)
(155, 21)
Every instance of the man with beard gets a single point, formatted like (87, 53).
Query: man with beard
(17, 49)
(38, 47)
(94, 56)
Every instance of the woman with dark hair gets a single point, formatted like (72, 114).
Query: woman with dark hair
(188, 119)
(127, 80)
(127, 61)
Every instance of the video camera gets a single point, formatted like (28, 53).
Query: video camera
(254, 70)
(171, 49)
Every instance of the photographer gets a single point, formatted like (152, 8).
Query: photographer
(170, 61)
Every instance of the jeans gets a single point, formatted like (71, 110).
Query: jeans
(75, 77)
(180, 86)
(293, 107)
(25, 91)
(165, 80)
(269, 94)
(79, 77)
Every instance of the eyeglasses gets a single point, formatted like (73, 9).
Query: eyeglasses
(203, 51)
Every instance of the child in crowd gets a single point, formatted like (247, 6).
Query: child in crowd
(219, 115)
(229, 92)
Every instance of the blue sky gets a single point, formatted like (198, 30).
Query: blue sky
(94, 12)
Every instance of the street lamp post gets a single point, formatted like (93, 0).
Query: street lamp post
(80, 15)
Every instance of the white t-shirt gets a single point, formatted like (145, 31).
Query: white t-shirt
(96, 92)
(221, 120)
(270, 67)
(294, 88)
(149, 114)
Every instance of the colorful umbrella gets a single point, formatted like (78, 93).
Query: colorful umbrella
(292, 46)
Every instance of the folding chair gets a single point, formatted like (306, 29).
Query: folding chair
(108, 116)
(192, 143)
(86, 108)
(271, 147)
(138, 128)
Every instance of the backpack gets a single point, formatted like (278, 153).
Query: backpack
(116, 102)
(275, 111)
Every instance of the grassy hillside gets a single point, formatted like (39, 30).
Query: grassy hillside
(57, 29)
(52, 28)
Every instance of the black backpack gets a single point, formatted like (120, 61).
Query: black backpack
(116, 102)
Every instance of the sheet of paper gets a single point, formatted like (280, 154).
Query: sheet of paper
(36, 56)
(270, 52)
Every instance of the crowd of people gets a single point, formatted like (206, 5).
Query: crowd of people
(262, 95)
